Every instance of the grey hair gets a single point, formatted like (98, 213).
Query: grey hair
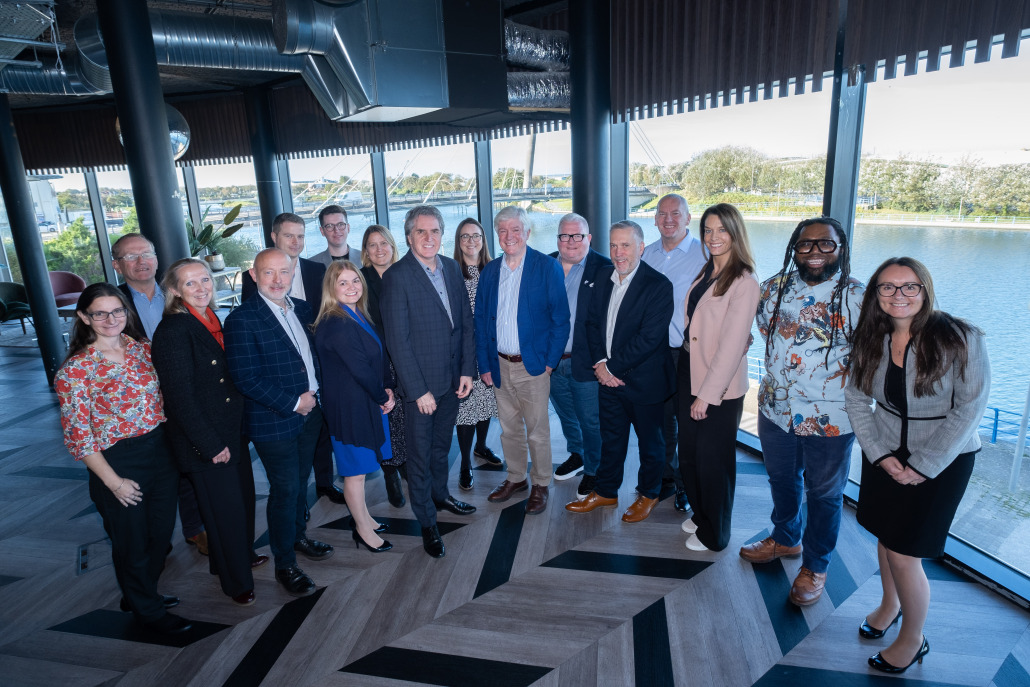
(681, 199)
(421, 211)
(116, 252)
(573, 217)
(630, 224)
(509, 213)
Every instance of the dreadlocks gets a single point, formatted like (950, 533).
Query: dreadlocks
(839, 291)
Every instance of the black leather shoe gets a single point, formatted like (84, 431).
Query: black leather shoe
(359, 541)
(488, 456)
(680, 503)
(869, 632)
(167, 601)
(465, 479)
(169, 624)
(455, 506)
(394, 489)
(295, 581)
(383, 527)
(876, 661)
(312, 549)
(432, 542)
(332, 492)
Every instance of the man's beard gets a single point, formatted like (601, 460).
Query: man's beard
(811, 277)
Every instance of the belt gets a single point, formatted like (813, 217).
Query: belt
(511, 358)
(566, 356)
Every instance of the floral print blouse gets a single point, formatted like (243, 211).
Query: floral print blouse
(800, 391)
(102, 402)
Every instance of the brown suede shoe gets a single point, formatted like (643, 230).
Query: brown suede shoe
(807, 588)
(640, 509)
(505, 489)
(537, 502)
(590, 503)
(767, 550)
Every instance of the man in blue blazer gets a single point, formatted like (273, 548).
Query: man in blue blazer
(628, 338)
(271, 359)
(522, 326)
(428, 325)
(573, 383)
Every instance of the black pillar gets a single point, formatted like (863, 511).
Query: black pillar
(620, 171)
(128, 40)
(380, 193)
(590, 77)
(266, 167)
(485, 192)
(27, 244)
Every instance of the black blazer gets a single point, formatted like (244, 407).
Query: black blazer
(204, 409)
(428, 351)
(311, 273)
(640, 343)
(375, 293)
(582, 364)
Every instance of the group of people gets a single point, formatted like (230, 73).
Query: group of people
(377, 363)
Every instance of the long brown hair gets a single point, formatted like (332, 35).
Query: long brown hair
(938, 339)
(83, 335)
(740, 246)
(331, 307)
(484, 252)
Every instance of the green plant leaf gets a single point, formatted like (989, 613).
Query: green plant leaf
(232, 214)
(205, 236)
(229, 231)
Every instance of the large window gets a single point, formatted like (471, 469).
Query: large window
(219, 189)
(344, 180)
(66, 222)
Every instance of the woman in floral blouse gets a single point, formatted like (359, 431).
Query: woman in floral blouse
(112, 415)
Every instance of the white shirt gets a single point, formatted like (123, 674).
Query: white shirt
(681, 266)
(618, 293)
(295, 333)
(297, 288)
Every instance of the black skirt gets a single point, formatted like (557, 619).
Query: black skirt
(912, 520)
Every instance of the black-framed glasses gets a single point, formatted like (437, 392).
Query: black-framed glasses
(338, 227)
(824, 246)
(910, 289)
(575, 238)
(470, 238)
(100, 315)
(133, 257)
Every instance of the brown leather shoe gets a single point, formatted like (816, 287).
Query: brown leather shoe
(590, 503)
(505, 489)
(640, 509)
(767, 550)
(807, 588)
(537, 502)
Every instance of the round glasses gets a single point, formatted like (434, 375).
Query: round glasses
(100, 315)
(338, 228)
(470, 238)
(910, 289)
(824, 246)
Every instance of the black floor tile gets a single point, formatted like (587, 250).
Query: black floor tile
(442, 669)
(646, 566)
(118, 625)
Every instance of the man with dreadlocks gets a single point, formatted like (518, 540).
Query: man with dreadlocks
(806, 315)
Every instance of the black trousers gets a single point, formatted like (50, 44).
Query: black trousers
(616, 415)
(140, 534)
(429, 440)
(670, 413)
(323, 464)
(708, 461)
(225, 496)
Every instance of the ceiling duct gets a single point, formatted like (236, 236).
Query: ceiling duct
(538, 49)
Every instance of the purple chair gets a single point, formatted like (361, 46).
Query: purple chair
(67, 287)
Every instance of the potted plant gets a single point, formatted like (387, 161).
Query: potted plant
(210, 238)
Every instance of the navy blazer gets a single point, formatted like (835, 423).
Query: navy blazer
(543, 316)
(204, 408)
(267, 368)
(582, 364)
(640, 343)
(311, 273)
(428, 351)
(355, 363)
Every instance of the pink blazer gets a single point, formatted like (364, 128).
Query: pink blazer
(717, 336)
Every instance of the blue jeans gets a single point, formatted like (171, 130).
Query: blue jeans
(576, 406)
(800, 466)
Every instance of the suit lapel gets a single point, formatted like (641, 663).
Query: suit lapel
(275, 326)
(427, 285)
(198, 330)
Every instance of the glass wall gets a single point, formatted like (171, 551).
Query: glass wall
(9, 269)
(66, 223)
(219, 189)
(949, 185)
(344, 180)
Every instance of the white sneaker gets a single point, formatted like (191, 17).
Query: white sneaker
(688, 526)
(694, 544)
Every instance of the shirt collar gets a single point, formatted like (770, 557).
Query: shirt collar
(629, 277)
(275, 306)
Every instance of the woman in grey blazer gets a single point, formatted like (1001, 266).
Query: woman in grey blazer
(929, 375)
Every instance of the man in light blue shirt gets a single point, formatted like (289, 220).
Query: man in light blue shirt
(135, 260)
(678, 256)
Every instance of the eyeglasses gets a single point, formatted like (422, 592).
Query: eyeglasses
(911, 289)
(100, 315)
(575, 238)
(470, 238)
(339, 227)
(824, 246)
(133, 257)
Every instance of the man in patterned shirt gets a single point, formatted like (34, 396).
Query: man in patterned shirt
(806, 315)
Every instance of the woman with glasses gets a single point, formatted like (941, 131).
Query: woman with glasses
(205, 423)
(476, 409)
(378, 252)
(712, 375)
(113, 421)
(929, 375)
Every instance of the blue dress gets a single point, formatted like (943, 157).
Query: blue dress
(359, 460)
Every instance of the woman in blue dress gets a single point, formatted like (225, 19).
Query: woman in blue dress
(357, 398)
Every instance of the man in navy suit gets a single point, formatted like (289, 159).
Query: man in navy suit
(628, 337)
(271, 358)
(522, 326)
(428, 323)
(573, 383)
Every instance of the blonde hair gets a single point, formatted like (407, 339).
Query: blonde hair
(174, 303)
(377, 229)
(330, 307)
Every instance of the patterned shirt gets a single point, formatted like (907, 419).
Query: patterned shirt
(103, 402)
(800, 391)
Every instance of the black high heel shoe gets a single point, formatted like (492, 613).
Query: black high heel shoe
(867, 631)
(882, 665)
(358, 541)
(383, 527)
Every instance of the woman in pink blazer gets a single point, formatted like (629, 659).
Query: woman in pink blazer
(712, 375)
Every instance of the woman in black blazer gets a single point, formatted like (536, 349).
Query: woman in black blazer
(356, 404)
(205, 423)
